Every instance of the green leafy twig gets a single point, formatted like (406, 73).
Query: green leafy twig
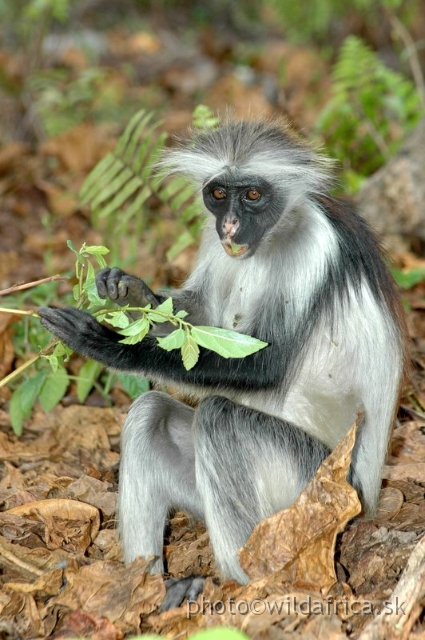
(186, 337)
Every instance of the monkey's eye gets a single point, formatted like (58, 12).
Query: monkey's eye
(218, 193)
(252, 194)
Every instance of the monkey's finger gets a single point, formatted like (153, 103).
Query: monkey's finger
(115, 284)
(101, 279)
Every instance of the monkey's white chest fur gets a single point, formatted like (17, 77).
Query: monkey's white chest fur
(231, 307)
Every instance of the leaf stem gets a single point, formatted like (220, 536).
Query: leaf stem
(19, 371)
(175, 320)
(19, 312)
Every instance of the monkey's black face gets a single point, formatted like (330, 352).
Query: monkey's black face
(244, 209)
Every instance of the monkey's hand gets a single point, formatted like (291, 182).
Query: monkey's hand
(79, 330)
(124, 289)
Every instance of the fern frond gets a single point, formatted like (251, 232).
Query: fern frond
(373, 107)
(118, 188)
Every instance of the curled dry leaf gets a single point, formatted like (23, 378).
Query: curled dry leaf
(68, 524)
(390, 503)
(94, 492)
(19, 616)
(24, 563)
(120, 593)
(299, 542)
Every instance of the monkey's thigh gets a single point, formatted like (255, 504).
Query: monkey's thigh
(157, 473)
(248, 466)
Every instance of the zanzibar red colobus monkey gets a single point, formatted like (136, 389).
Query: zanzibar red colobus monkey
(281, 260)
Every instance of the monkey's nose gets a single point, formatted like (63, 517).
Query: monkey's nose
(230, 226)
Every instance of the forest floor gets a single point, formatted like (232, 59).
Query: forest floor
(61, 568)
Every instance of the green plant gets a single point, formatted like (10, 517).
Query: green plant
(63, 101)
(23, 27)
(372, 109)
(409, 278)
(316, 23)
(117, 189)
(48, 385)
(44, 375)
(120, 186)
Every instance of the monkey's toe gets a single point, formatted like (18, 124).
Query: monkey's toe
(179, 589)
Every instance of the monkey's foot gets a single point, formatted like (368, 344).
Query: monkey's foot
(179, 589)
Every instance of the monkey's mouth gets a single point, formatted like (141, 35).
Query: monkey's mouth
(234, 250)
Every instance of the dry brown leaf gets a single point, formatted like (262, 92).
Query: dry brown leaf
(27, 564)
(120, 593)
(299, 542)
(94, 492)
(79, 148)
(405, 601)
(48, 584)
(414, 470)
(61, 201)
(83, 625)
(194, 557)
(20, 610)
(408, 443)
(107, 545)
(68, 524)
(390, 502)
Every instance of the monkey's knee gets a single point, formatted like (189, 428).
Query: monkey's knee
(215, 413)
(149, 401)
(144, 414)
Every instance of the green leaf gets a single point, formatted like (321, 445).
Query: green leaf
(62, 350)
(190, 352)
(110, 189)
(53, 361)
(219, 633)
(23, 399)
(95, 177)
(53, 389)
(225, 342)
(116, 318)
(96, 250)
(204, 117)
(181, 314)
(138, 326)
(71, 246)
(90, 288)
(408, 279)
(122, 195)
(87, 376)
(174, 340)
(133, 385)
(136, 331)
(165, 307)
(103, 174)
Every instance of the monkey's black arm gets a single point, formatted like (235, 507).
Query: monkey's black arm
(86, 336)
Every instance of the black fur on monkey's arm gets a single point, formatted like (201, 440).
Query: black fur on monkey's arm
(85, 335)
